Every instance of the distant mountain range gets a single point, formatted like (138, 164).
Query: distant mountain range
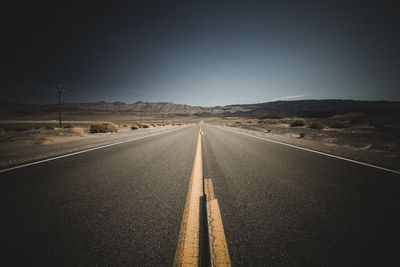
(277, 109)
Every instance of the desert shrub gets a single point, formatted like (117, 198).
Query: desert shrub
(272, 121)
(249, 122)
(105, 127)
(317, 125)
(297, 123)
(49, 127)
(135, 127)
(338, 125)
(145, 125)
(302, 135)
(41, 139)
(154, 124)
(238, 122)
(22, 129)
(78, 131)
(67, 126)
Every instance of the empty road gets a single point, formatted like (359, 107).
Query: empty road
(123, 205)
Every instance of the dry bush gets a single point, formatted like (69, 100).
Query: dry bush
(41, 139)
(67, 126)
(78, 131)
(22, 129)
(145, 125)
(105, 127)
(317, 125)
(338, 125)
(135, 127)
(271, 121)
(302, 135)
(154, 124)
(297, 123)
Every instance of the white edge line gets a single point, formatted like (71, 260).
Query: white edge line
(87, 150)
(310, 150)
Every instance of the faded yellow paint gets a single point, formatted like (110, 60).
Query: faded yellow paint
(209, 189)
(219, 254)
(187, 252)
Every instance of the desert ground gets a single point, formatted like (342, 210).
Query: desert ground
(368, 132)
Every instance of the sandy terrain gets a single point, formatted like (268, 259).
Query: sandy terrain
(371, 139)
(28, 141)
(359, 140)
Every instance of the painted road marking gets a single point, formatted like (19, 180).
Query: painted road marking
(209, 189)
(219, 255)
(87, 150)
(188, 247)
(187, 252)
(314, 151)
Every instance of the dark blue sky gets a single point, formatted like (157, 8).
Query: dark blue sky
(201, 52)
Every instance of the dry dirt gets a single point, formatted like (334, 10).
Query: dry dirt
(23, 142)
(368, 142)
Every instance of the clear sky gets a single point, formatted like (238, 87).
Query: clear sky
(201, 52)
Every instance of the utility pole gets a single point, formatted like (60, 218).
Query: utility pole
(60, 90)
(141, 116)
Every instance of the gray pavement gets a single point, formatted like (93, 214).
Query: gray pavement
(116, 206)
(122, 205)
(282, 206)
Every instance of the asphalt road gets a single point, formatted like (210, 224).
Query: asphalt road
(122, 205)
(116, 206)
(283, 206)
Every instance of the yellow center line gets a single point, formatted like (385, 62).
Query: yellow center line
(187, 252)
(219, 255)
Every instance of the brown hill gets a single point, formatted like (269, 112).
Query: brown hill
(278, 109)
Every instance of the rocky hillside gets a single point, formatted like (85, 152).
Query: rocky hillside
(278, 109)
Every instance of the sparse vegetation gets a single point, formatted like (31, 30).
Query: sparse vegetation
(135, 127)
(41, 139)
(298, 123)
(338, 125)
(22, 129)
(105, 127)
(302, 135)
(78, 131)
(145, 125)
(317, 125)
(270, 121)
